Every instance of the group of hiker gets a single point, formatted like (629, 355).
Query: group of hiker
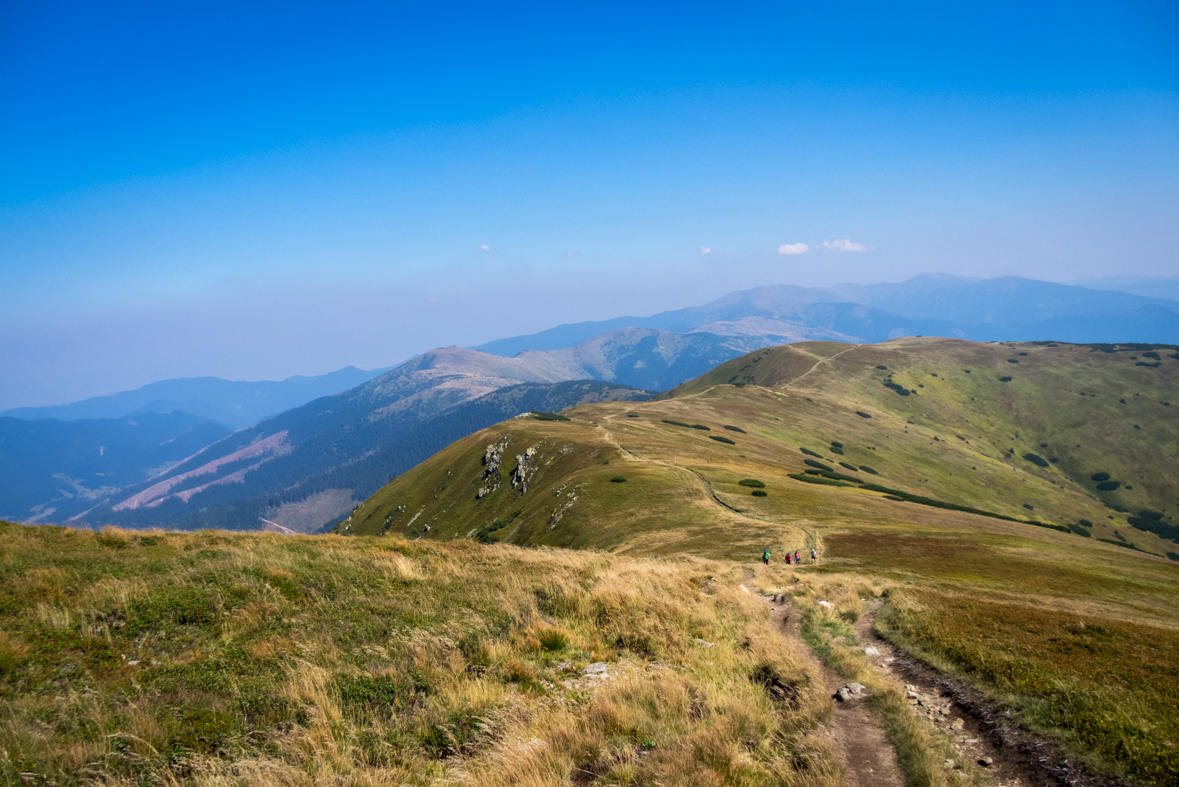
(792, 558)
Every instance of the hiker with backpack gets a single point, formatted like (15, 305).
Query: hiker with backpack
(765, 557)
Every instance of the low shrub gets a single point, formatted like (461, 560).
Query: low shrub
(928, 501)
(550, 417)
(836, 444)
(759, 493)
(1152, 522)
(881, 367)
(618, 479)
(1108, 486)
(809, 452)
(677, 423)
(1099, 477)
(862, 415)
(838, 451)
(1150, 354)
(1012, 360)
(899, 389)
(1154, 365)
(834, 476)
(818, 465)
(702, 427)
(853, 468)
(720, 439)
(1036, 459)
(632, 415)
(484, 535)
(867, 469)
(752, 482)
(814, 479)
(1004, 379)
(734, 429)
(1029, 507)
(1080, 531)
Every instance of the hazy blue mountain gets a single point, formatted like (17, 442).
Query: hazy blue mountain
(801, 313)
(49, 466)
(1150, 286)
(1009, 300)
(235, 404)
(1010, 308)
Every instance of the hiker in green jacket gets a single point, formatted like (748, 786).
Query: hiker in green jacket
(765, 557)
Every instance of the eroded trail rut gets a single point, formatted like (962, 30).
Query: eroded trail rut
(868, 758)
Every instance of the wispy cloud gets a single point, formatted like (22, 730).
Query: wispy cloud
(793, 248)
(705, 250)
(843, 245)
(485, 247)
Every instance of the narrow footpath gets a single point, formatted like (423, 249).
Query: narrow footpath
(868, 758)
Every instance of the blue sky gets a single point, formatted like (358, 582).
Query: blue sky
(192, 189)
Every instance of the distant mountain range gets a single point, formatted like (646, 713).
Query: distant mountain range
(304, 468)
(235, 404)
(1004, 309)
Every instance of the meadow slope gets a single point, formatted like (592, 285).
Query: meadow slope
(1021, 526)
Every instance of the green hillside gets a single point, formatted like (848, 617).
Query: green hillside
(930, 418)
(971, 497)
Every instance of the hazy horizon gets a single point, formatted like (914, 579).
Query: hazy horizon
(205, 190)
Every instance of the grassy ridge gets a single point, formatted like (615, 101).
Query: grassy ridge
(958, 439)
(146, 658)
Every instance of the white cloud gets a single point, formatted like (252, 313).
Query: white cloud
(843, 245)
(485, 247)
(705, 250)
(793, 248)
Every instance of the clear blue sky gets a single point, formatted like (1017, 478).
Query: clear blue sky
(197, 188)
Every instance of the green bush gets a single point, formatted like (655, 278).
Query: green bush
(881, 367)
(752, 482)
(853, 468)
(1152, 522)
(1012, 360)
(867, 469)
(632, 415)
(759, 493)
(734, 429)
(809, 452)
(1099, 477)
(818, 465)
(677, 423)
(1036, 459)
(1108, 486)
(862, 415)
(484, 535)
(1154, 365)
(1004, 379)
(1080, 531)
(720, 439)
(837, 451)
(834, 476)
(813, 479)
(549, 417)
(836, 444)
(702, 427)
(1029, 507)
(618, 479)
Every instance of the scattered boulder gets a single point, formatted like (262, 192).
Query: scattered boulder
(849, 692)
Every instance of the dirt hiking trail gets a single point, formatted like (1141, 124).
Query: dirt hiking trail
(868, 758)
